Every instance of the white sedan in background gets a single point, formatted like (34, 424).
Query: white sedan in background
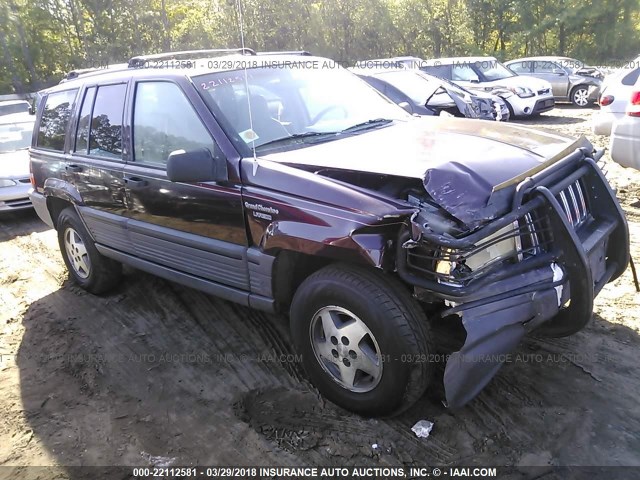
(624, 145)
(15, 139)
(614, 97)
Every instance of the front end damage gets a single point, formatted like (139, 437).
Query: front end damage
(549, 242)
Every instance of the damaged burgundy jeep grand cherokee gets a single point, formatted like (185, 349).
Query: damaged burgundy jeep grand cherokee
(293, 186)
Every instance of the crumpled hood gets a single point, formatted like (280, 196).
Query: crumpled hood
(14, 164)
(460, 161)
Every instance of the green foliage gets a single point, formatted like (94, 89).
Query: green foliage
(40, 40)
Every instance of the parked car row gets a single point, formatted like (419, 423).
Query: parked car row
(307, 192)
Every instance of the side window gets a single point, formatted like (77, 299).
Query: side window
(55, 120)
(164, 121)
(546, 67)
(632, 77)
(464, 73)
(105, 137)
(522, 67)
(82, 134)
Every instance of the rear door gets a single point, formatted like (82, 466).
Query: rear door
(196, 228)
(96, 162)
(50, 139)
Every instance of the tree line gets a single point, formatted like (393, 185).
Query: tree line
(41, 40)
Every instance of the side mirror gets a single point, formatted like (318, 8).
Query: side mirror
(196, 166)
(406, 107)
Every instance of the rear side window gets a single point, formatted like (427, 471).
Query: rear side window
(82, 134)
(105, 136)
(632, 77)
(55, 120)
(165, 121)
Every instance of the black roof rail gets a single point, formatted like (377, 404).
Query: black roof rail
(81, 72)
(139, 61)
(303, 53)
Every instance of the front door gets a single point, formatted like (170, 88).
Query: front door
(554, 74)
(196, 228)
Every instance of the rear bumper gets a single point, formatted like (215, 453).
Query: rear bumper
(624, 145)
(603, 121)
(501, 307)
(39, 202)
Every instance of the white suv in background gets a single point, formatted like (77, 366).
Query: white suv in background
(624, 145)
(614, 98)
(525, 96)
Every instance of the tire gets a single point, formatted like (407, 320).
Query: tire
(87, 267)
(580, 96)
(380, 321)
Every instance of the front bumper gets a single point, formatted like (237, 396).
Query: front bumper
(39, 202)
(500, 307)
(15, 197)
(525, 107)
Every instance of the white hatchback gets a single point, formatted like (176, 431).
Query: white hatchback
(624, 145)
(614, 98)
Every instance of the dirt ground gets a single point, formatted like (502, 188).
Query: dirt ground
(158, 374)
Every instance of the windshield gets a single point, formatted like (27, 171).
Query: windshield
(492, 70)
(413, 85)
(294, 103)
(15, 136)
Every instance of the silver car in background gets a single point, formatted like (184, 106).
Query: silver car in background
(15, 139)
(571, 80)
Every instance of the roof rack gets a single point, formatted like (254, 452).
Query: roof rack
(303, 53)
(72, 74)
(140, 60)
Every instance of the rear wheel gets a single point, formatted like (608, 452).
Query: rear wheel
(364, 340)
(92, 271)
(580, 96)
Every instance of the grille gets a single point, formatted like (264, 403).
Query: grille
(572, 201)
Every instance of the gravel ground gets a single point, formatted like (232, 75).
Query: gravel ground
(155, 373)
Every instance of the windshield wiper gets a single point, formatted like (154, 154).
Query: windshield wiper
(368, 124)
(296, 136)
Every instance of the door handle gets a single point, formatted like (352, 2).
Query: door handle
(135, 182)
(73, 168)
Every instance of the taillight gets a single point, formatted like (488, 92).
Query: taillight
(633, 110)
(33, 180)
(606, 100)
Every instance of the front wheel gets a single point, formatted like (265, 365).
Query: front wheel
(92, 271)
(580, 97)
(364, 340)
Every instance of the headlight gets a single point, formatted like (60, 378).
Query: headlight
(5, 182)
(522, 92)
(499, 246)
